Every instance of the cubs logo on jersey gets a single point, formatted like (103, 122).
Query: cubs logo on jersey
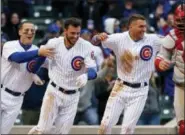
(146, 52)
(77, 63)
(30, 65)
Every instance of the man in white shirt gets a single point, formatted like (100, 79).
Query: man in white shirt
(15, 79)
(135, 54)
(70, 69)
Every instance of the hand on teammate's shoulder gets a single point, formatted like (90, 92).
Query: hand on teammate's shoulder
(46, 52)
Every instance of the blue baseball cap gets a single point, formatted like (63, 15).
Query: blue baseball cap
(53, 28)
(85, 31)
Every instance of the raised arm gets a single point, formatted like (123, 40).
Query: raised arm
(34, 65)
(12, 54)
(107, 41)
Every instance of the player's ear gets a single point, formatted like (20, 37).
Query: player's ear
(20, 32)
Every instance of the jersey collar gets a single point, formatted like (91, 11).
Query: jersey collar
(26, 47)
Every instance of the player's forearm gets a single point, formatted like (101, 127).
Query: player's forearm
(95, 40)
(34, 65)
(91, 73)
(21, 57)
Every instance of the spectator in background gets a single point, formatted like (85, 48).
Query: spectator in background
(165, 26)
(91, 12)
(156, 16)
(87, 110)
(86, 34)
(123, 25)
(128, 9)
(166, 6)
(11, 29)
(60, 24)
(3, 21)
(52, 31)
(104, 85)
(170, 19)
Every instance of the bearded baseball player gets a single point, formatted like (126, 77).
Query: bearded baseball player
(15, 78)
(172, 51)
(70, 69)
(135, 54)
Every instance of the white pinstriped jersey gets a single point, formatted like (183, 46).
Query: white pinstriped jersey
(14, 75)
(66, 65)
(98, 56)
(144, 51)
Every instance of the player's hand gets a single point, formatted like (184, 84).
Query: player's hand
(46, 52)
(102, 36)
(37, 80)
(164, 65)
(81, 80)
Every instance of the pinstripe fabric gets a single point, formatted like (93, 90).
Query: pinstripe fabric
(60, 68)
(13, 74)
(10, 107)
(15, 77)
(142, 69)
(58, 109)
(129, 101)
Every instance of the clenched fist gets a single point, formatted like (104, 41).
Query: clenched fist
(164, 65)
(102, 36)
(46, 52)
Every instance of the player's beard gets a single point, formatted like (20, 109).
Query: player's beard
(69, 40)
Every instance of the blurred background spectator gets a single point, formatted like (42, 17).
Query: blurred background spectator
(52, 32)
(33, 100)
(11, 28)
(109, 16)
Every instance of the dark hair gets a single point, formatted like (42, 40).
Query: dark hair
(22, 23)
(72, 21)
(135, 17)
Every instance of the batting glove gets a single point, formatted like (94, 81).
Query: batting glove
(81, 80)
(37, 80)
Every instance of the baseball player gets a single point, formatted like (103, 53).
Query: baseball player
(15, 79)
(172, 51)
(69, 70)
(135, 54)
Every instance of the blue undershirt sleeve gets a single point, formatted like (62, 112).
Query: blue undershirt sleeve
(34, 65)
(21, 57)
